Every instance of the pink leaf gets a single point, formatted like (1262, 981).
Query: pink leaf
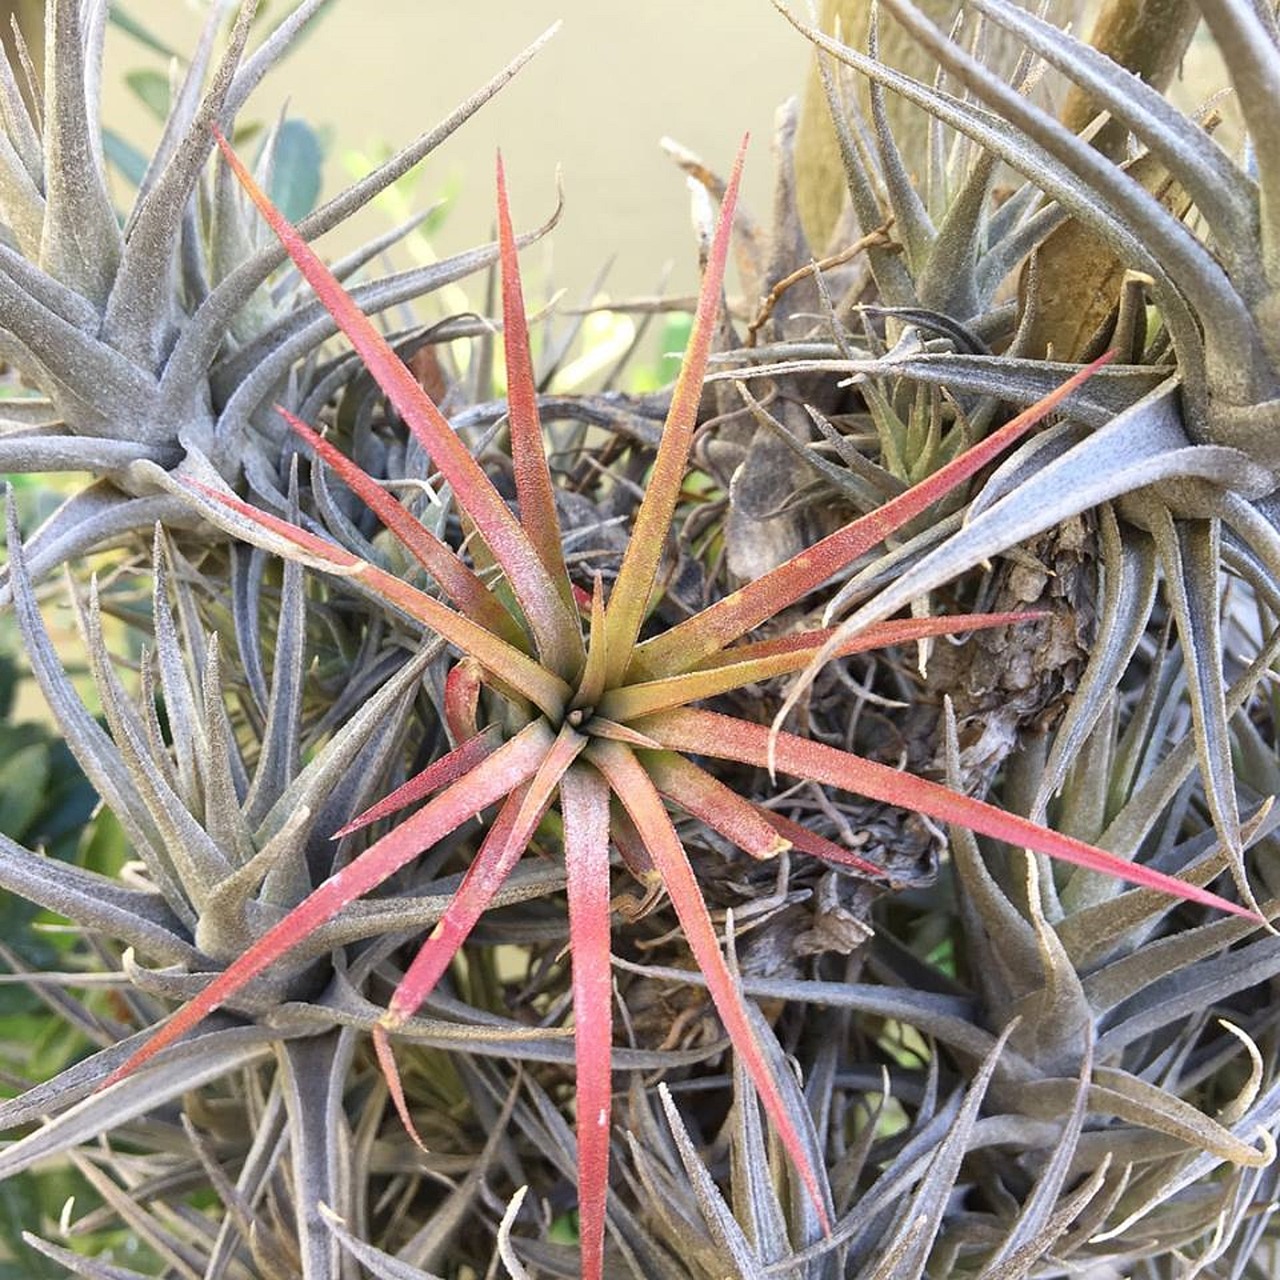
(462, 699)
(496, 776)
(727, 738)
(584, 802)
(559, 638)
(880, 635)
(591, 684)
(688, 644)
(633, 787)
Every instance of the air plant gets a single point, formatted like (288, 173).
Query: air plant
(152, 336)
(1190, 459)
(560, 702)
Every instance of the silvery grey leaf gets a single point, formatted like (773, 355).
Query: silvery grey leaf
(1221, 191)
(1180, 994)
(1131, 825)
(755, 1200)
(948, 283)
(1247, 38)
(137, 918)
(138, 317)
(49, 293)
(20, 131)
(1038, 1222)
(279, 757)
(81, 242)
(910, 217)
(321, 775)
(893, 280)
(259, 1163)
(724, 1228)
(378, 1264)
(1016, 381)
(138, 1222)
(248, 565)
(1096, 195)
(948, 1019)
(77, 1264)
(313, 1075)
(1007, 251)
(22, 204)
(253, 373)
(100, 454)
(1128, 594)
(184, 102)
(200, 342)
(96, 754)
(186, 853)
(81, 1111)
(1190, 552)
(98, 378)
(1138, 448)
(1137, 222)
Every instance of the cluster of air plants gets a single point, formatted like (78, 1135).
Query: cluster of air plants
(512, 614)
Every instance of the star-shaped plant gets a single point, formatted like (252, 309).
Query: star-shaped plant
(556, 700)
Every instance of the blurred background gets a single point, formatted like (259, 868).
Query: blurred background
(596, 101)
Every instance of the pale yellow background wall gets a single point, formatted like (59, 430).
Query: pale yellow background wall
(595, 101)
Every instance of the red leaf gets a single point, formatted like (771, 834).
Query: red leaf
(487, 857)
(781, 657)
(880, 635)
(630, 596)
(726, 738)
(521, 672)
(819, 846)
(462, 699)
(534, 490)
(633, 787)
(685, 646)
(456, 580)
(439, 773)
(584, 802)
(508, 768)
(484, 877)
(711, 802)
(559, 638)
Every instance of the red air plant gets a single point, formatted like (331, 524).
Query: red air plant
(592, 712)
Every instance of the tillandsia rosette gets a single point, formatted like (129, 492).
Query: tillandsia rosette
(155, 336)
(560, 703)
(1167, 255)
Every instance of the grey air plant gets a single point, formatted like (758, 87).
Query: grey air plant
(1190, 464)
(157, 339)
(992, 1066)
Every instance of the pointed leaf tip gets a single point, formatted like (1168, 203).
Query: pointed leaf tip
(630, 597)
(551, 618)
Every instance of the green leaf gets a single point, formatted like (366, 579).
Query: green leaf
(24, 775)
(295, 171)
(131, 26)
(151, 88)
(130, 162)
